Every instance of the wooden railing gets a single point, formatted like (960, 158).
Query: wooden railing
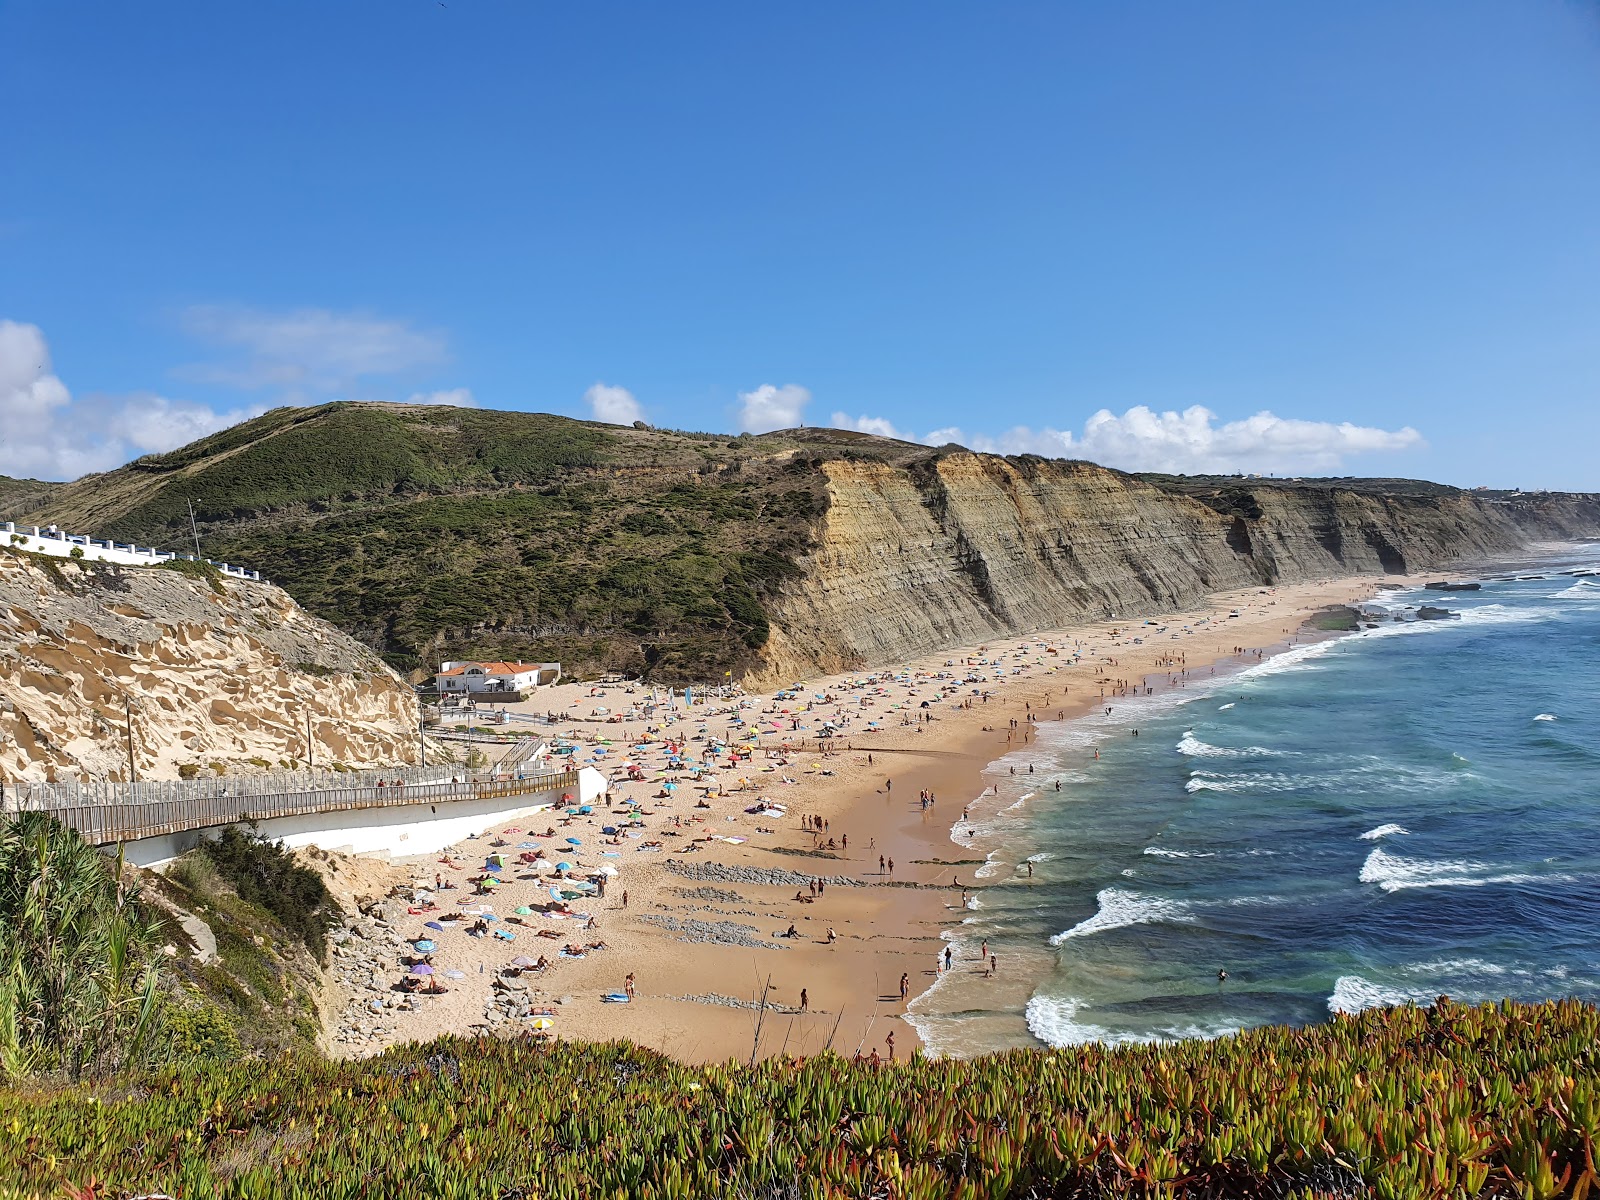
(105, 821)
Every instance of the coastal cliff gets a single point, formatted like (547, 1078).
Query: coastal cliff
(429, 533)
(223, 674)
(962, 547)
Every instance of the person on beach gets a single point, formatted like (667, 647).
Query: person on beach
(627, 985)
(880, 864)
(905, 987)
(889, 1042)
(805, 1001)
(948, 954)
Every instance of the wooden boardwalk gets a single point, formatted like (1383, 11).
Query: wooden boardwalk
(104, 816)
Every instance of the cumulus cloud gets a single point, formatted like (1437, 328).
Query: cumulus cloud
(454, 397)
(768, 407)
(1188, 442)
(613, 405)
(307, 348)
(45, 433)
(877, 425)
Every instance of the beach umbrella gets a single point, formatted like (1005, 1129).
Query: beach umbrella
(423, 946)
(522, 960)
(422, 969)
(542, 1022)
(608, 869)
(455, 974)
(523, 910)
(434, 925)
(563, 866)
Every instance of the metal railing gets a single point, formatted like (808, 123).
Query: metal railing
(111, 812)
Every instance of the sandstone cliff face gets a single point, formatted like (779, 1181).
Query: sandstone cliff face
(217, 678)
(960, 548)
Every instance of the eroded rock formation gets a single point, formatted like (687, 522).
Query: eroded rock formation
(222, 674)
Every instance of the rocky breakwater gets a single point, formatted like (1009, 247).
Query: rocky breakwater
(956, 548)
(221, 675)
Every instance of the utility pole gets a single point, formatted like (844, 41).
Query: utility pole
(194, 529)
(311, 749)
(127, 711)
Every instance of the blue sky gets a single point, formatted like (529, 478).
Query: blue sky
(1378, 222)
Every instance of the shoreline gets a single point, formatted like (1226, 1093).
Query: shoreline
(700, 929)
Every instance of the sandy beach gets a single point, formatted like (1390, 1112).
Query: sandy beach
(704, 890)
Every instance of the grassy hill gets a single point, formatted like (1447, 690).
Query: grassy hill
(433, 532)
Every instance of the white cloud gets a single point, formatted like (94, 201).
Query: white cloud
(44, 432)
(614, 405)
(311, 348)
(768, 407)
(877, 425)
(1190, 442)
(454, 397)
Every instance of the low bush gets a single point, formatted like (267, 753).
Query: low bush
(266, 874)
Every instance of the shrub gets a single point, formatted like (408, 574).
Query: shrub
(188, 770)
(266, 874)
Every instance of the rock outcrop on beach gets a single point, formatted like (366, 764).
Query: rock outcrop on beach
(430, 533)
(222, 674)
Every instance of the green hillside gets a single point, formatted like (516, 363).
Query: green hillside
(433, 532)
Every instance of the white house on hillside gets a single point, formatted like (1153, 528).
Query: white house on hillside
(495, 676)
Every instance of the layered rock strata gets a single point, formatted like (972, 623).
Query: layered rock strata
(961, 547)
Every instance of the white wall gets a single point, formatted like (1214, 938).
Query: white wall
(61, 545)
(399, 832)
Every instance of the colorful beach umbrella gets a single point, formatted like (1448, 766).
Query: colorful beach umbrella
(422, 946)
(422, 969)
(542, 1023)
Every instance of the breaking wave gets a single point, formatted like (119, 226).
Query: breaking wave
(1119, 908)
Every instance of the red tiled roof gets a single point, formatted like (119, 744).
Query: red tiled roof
(494, 668)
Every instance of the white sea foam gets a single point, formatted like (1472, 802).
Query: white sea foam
(1351, 994)
(1582, 590)
(1546, 717)
(1054, 1020)
(1042, 856)
(1226, 706)
(1120, 907)
(1383, 831)
(1394, 873)
(1162, 852)
(1195, 748)
(990, 867)
(1455, 966)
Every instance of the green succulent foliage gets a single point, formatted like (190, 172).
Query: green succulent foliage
(1426, 1103)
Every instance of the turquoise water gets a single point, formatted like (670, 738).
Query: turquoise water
(1390, 815)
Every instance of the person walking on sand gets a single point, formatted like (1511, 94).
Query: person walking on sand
(880, 864)
(624, 897)
(905, 987)
(889, 1042)
(627, 985)
(891, 866)
(805, 1001)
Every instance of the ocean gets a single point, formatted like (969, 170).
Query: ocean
(1389, 815)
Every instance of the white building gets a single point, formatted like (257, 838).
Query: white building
(459, 677)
